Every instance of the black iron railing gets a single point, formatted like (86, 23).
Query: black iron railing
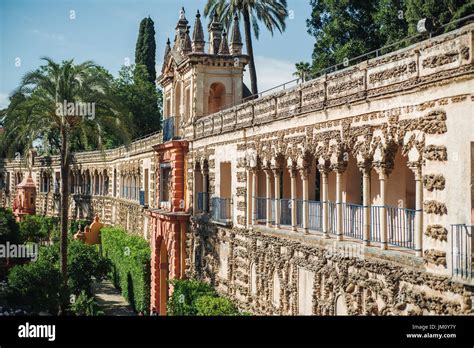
(221, 210)
(203, 202)
(168, 129)
(461, 252)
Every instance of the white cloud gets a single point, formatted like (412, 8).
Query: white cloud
(271, 72)
(4, 101)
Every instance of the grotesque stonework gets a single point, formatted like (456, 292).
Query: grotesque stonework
(437, 232)
(436, 257)
(434, 182)
(434, 207)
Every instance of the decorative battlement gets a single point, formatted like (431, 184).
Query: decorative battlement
(443, 57)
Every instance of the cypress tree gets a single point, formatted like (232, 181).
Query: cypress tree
(146, 47)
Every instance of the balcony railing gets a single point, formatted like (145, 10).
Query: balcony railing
(353, 220)
(299, 213)
(221, 210)
(315, 215)
(203, 202)
(168, 129)
(285, 211)
(461, 252)
(261, 210)
(401, 227)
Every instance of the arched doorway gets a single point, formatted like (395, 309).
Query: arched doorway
(164, 272)
(216, 98)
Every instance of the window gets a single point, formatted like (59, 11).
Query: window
(146, 186)
(165, 182)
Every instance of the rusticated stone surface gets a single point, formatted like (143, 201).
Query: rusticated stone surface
(434, 182)
(436, 257)
(436, 153)
(437, 232)
(370, 285)
(435, 207)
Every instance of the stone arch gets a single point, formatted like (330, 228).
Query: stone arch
(216, 98)
(340, 306)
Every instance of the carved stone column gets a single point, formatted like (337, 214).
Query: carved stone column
(416, 168)
(293, 172)
(268, 176)
(277, 174)
(304, 172)
(324, 170)
(195, 193)
(248, 220)
(254, 195)
(339, 168)
(365, 167)
(383, 170)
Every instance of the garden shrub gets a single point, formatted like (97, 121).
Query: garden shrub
(215, 306)
(83, 264)
(9, 229)
(34, 228)
(185, 294)
(86, 305)
(130, 257)
(35, 287)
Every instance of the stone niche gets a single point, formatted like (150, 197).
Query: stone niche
(305, 291)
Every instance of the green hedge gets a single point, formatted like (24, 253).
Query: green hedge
(130, 257)
(193, 297)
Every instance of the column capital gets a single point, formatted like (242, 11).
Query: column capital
(365, 166)
(383, 168)
(277, 170)
(293, 171)
(415, 167)
(323, 168)
(304, 172)
(339, 167)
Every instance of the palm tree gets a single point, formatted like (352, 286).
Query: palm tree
(35, 114)
(303, 71)
(271, 12)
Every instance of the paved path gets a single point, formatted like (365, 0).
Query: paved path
(110, 300)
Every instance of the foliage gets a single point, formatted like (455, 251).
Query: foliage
(215, 306)
(346, 29)
(145, 49)
(271, 13)
(74, 226)
(140, 97)
(85, 305)
(34, 228)
(84, 264)
(193, 297)
(185, 294)
(130, 257)
(9, 229)
(36, 116)
(35, 287)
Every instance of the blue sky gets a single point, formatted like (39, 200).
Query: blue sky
(106, 32)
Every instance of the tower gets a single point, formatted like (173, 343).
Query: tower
(197, 83)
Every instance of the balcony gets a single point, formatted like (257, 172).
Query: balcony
(221, 210)
(461, 253)
(168, 129)
(203, 202)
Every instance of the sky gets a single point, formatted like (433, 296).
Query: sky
(106, 31)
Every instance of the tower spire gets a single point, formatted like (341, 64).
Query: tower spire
(236, 39)
(198, 35)
(224, 47)
(215, 34)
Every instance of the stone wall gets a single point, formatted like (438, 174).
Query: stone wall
(279, 273)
